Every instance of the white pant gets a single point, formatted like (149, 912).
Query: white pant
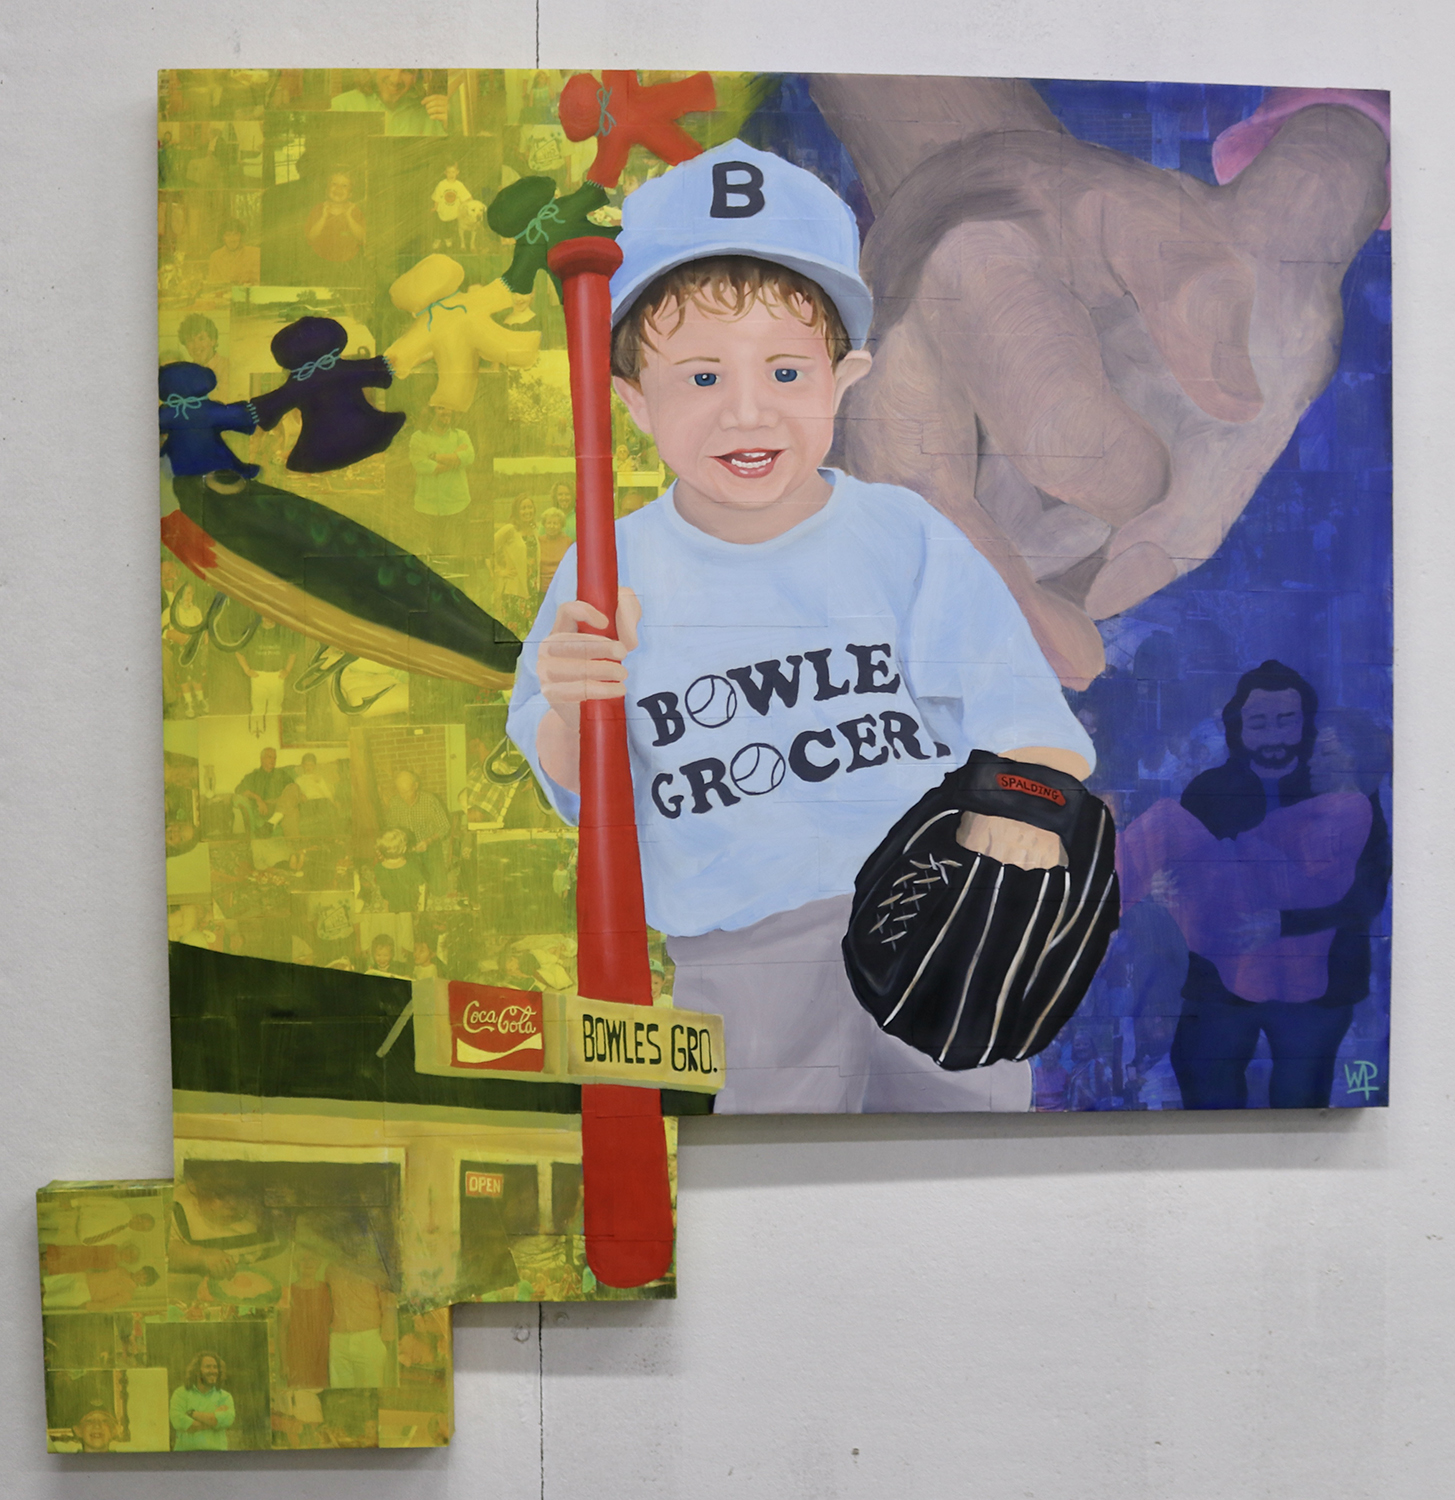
(356, 1359)
(797, 1039)
(64, 1289)
(267, 698)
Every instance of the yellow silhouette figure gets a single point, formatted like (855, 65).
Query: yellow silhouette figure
(456, 329)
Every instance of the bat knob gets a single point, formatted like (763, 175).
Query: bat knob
(585, 256)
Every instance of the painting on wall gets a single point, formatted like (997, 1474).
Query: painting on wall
(721, 593)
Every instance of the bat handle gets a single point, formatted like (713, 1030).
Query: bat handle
(628, 1204)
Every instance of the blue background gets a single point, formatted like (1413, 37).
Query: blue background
(1303, 576)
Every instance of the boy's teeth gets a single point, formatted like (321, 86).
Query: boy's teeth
(757, 459)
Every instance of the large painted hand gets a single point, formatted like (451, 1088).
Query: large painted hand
(1087, 362)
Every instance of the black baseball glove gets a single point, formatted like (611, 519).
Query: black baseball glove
(969, 960)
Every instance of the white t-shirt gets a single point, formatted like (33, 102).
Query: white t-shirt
(449, 198)
(790, 699)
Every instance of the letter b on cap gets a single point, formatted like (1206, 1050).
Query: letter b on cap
(737, 190)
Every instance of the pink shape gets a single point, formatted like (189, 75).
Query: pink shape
(1240, 143)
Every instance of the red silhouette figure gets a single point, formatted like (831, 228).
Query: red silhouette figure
(622, 113)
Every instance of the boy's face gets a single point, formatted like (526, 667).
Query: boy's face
(95, 1432)
(740, 407)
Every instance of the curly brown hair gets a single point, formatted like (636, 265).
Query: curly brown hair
(193, 1378)
(726, 285)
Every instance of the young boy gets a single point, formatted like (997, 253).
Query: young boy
(449, 198)
(803, 655)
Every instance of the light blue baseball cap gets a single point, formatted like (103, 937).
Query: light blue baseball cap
(735, 200)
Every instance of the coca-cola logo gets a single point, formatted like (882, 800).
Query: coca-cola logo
(507, 1020)
(496, 1028)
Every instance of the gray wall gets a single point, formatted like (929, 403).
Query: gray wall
(1058, 1308)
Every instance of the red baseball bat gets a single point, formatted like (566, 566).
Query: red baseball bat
(627, 1195)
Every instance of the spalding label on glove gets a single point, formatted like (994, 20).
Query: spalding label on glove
(968, 960)
(1015, 789)
(1008, 783)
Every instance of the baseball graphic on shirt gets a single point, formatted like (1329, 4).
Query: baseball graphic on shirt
(757, 769)
(711, 701)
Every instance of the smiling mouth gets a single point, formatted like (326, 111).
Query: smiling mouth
(749, 463)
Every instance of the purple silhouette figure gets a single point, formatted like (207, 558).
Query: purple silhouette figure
(192, 423)
(339, 425)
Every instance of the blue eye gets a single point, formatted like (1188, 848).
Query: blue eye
(785, 376)
(704, 378)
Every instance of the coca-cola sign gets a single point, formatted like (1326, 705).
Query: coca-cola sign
(508, 1020)
(496, 1028)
